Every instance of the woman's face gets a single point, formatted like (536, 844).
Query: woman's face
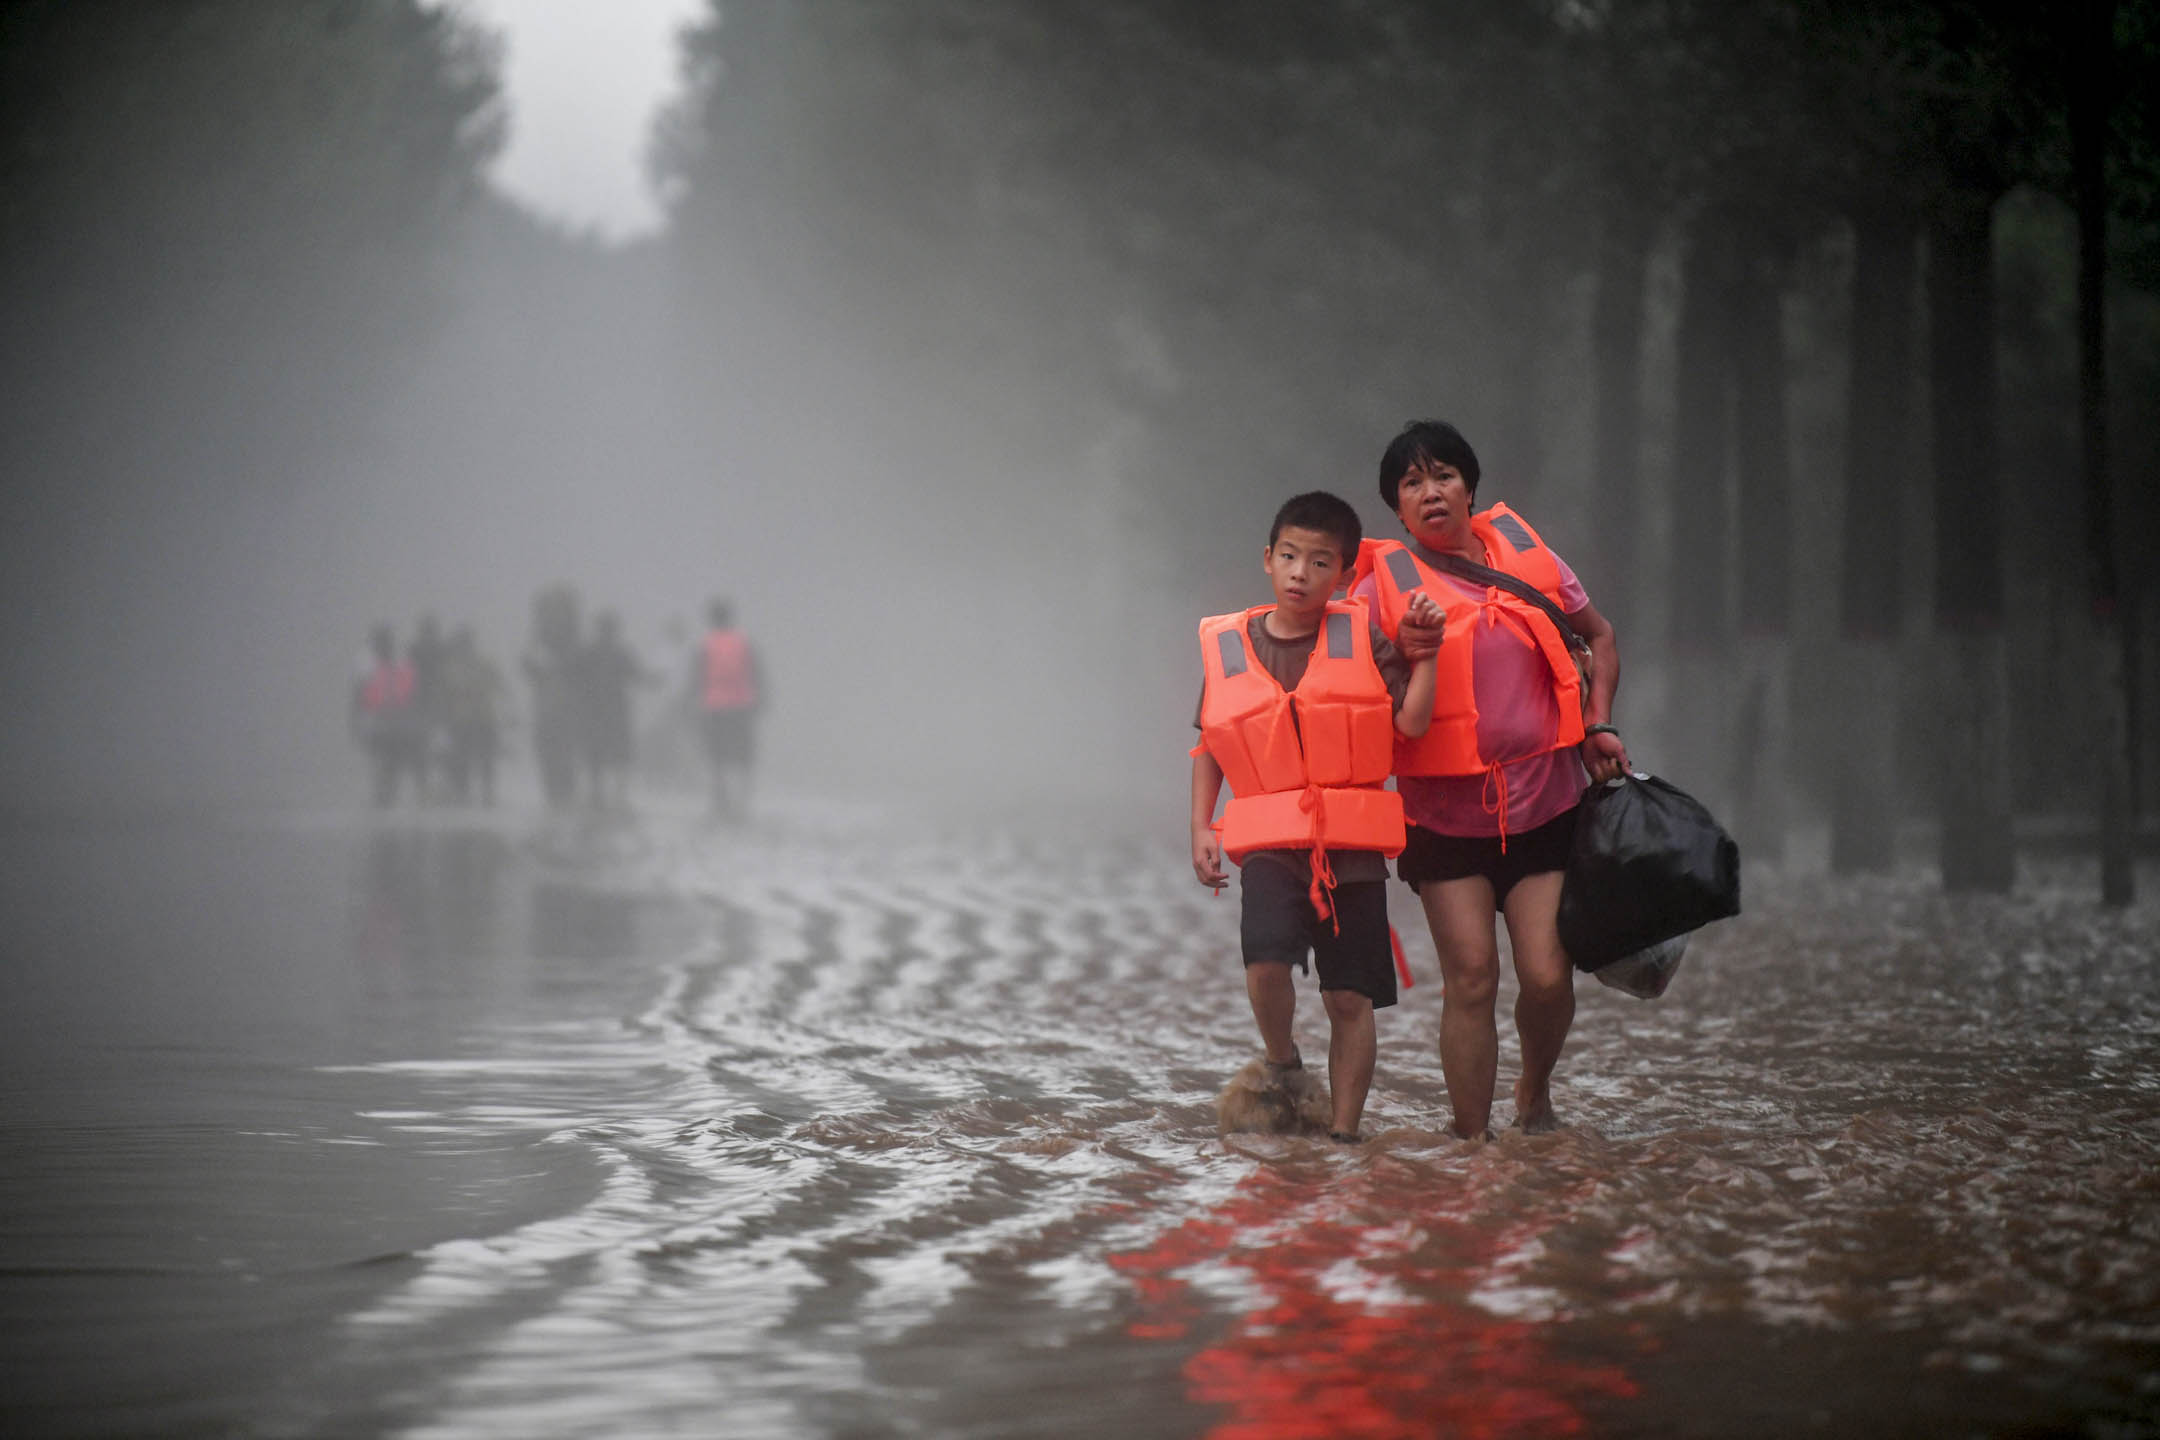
(1433, 503)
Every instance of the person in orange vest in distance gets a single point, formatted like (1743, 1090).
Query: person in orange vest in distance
(1300, 706)
(385, 716)
(1490, 790)
(729, 691)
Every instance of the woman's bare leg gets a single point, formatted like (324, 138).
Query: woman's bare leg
(1460, 915)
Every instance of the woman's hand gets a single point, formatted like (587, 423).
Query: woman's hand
(1604, 756)
(1423, 626)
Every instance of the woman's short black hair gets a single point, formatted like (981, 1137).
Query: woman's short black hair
(1423, 443)
(1325, 512)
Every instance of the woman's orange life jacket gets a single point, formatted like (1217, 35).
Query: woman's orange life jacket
(729, 682)
(1450, 746)
(1307, 766)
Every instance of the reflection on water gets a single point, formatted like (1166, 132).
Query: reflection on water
(428, 899)
(1362, 1305)
(860, 1134)
(573, 922)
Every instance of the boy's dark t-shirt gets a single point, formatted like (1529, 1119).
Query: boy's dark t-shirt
(1286, 661)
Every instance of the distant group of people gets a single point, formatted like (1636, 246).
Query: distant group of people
(431, 716)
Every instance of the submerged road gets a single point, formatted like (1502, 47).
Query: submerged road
(330, 1127)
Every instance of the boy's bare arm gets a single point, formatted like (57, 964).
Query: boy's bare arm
(1414, 716)
(1207, 859)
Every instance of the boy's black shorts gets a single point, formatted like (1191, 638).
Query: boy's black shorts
(1429, 856)
(1276, 923)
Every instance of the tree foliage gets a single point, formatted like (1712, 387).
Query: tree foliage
(217, 215)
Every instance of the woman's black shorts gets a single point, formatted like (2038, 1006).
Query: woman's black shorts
(1428, 856)
(1276, 922)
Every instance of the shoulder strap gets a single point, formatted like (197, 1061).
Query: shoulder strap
(1522, 589)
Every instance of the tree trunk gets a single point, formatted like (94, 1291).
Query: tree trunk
(1762, 462)
(1974, 782)
(1616, 437)
(1878, 460)
(2089, 99)
(1700, 617)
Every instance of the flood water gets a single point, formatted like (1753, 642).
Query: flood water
(313, 1126)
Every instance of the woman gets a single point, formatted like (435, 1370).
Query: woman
(1491, 789)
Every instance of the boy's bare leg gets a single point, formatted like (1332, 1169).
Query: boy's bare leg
(1274, 1003)
(1460, 915)
(1352, 1042)
(1545, 997)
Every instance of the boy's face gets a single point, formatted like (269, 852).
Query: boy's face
(1305, 567)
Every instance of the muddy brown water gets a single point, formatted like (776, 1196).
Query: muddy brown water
(316, 1127)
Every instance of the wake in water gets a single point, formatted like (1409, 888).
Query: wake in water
(917, 1108)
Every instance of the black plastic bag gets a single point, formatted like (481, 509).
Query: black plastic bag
(1649, 864)
(1646, 973)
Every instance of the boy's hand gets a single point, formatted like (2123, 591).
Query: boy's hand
(1423, 625)
(1207, 858)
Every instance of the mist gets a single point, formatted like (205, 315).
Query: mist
(978, 346)
(921, 1068)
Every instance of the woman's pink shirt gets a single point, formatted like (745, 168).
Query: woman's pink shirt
(1517, 717)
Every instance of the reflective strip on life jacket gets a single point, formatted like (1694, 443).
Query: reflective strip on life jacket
(1450, 746)
(729, 684)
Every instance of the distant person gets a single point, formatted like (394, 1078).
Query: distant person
(607, 671)
(472, 697)
(1491, 789)
(1300, 705)
(727, 687)
(550, 667)
(428, 654)
(383, 717)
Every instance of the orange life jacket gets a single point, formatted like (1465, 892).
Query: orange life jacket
(1450, 746)
(729, 683)
(389, 686)
(1307, 766)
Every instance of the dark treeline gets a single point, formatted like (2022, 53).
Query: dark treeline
(1769, 312)
(220, 226)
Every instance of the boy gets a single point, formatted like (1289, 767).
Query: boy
(1299, 709)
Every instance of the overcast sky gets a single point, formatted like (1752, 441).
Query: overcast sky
(583, 78)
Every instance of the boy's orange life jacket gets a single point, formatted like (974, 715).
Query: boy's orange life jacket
(1450, 746)
(1306, 767)
(729, 684)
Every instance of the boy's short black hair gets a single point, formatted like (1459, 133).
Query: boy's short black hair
(1423, 443)
(1325, 512)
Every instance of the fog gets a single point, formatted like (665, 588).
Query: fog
(978, 346)
(969, 349)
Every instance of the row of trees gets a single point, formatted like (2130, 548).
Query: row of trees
(220, 229)
(1655, 253)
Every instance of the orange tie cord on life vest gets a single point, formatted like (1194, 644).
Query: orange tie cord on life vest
(1402, 965)
(1496, 786)
(1322, 888)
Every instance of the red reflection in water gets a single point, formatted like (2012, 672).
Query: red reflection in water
(1365, 1329)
